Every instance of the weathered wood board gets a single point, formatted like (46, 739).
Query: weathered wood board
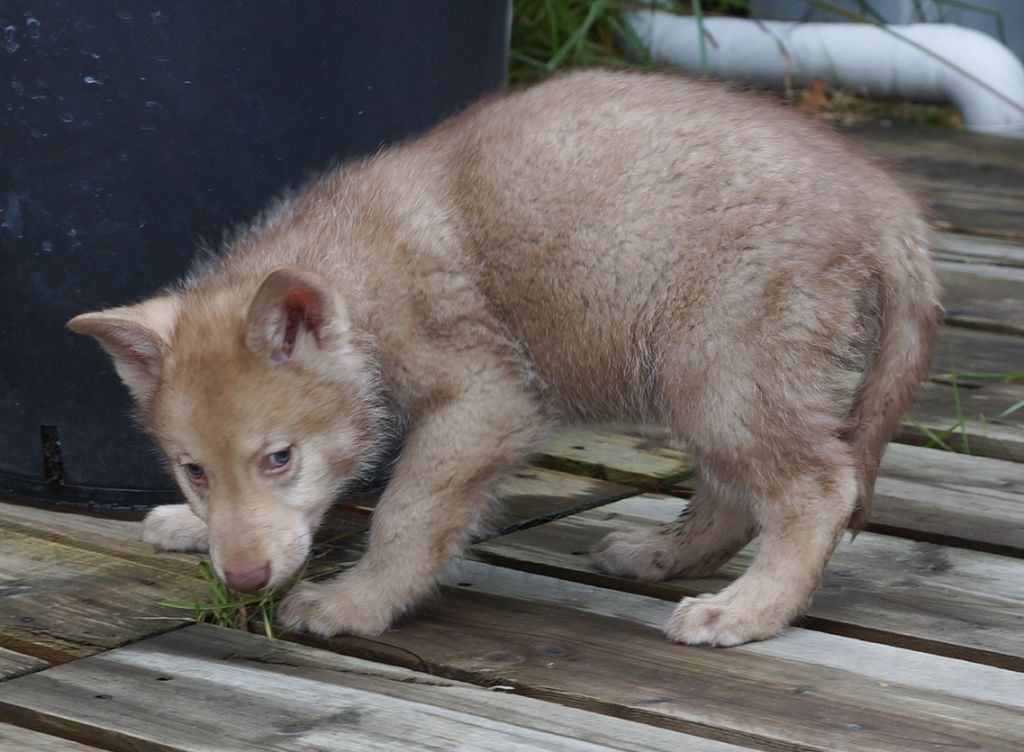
(926, 494)
(61, 602)
(881, 662)
(983, 296)
(987, 434)
(17, 739)
(971, 182)
(982, 211)
(954, 246)
(14, 664)
(121, 538)
(963, 148)
(205, 688)
(944, 497)
(598, 649)
(647, 459)
(930, 494)
(533, 495)
(949, 601)
(961, 352)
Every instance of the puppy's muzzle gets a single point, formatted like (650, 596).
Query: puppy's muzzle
(249, 580)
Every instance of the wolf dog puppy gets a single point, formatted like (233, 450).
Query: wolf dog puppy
(602, 246)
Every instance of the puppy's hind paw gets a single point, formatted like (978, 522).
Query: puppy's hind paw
(641, 554)
(175, 527)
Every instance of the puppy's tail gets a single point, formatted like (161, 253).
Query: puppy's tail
(907, 314)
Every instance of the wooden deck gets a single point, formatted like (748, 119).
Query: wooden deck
(915, 642)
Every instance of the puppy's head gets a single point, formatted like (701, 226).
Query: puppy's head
(263, 403)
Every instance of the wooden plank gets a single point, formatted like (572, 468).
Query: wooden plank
(117, 537)
(925, 494)
(14, 664)
(960, 147)
(596, 649)
(967, 181)
(986, 214)
(123, 538)
(17, 739)
(881, 662)
(645, 458)
(202, 687)
(987, 434)
(964, 351)
(982, 296)
(63, 602)
(955, 246)
(949, 601)
(955, 499)
(969, 185)
(533, 495)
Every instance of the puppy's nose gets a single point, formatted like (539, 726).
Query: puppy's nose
(250, 580)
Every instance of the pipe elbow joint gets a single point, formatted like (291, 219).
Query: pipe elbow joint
(983, 79)
(924, 62)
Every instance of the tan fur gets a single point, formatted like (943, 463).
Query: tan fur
(600, 246)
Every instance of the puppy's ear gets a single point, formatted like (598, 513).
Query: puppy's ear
(295, 314)
(137, 338)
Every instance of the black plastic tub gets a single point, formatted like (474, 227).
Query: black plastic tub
(130, 131)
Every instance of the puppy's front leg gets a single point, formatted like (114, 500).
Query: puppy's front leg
(437, 496)
(175, 527)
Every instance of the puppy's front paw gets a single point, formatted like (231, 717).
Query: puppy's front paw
(346, 605)
(641, 554)
(175, 527)
(721, 620)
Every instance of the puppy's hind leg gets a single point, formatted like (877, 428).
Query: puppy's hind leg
(716, 524)
(801, 519)
(773, 435)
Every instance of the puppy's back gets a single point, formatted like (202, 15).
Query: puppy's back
(606, 207)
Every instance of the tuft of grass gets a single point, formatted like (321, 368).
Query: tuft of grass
(548, 35)
(255, 612)
(227, 608)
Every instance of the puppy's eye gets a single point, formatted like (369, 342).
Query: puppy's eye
(276, 462)
(195, 472)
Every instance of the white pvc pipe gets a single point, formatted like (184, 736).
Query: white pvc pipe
(985, 81)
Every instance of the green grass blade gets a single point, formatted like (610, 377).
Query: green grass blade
(1012, 409)
(1001, 376)
(698, 16)
(578, 36)
(977, 8)
(933, 439)
(965, 445)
